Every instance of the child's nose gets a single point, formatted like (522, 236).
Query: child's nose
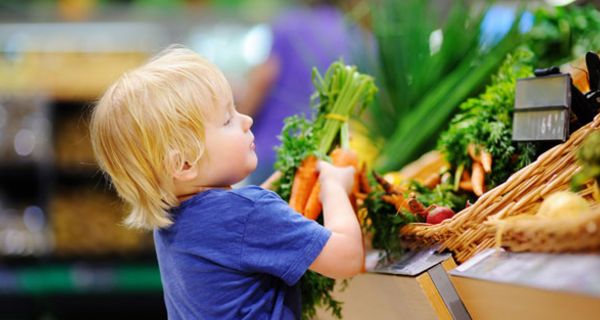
(247, 122)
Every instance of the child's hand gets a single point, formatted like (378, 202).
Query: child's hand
(341, 176)
(345, 243)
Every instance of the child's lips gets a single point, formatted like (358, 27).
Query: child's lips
(252, 146)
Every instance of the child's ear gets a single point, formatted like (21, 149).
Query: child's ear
(186, 171)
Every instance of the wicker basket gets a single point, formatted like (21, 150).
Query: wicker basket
(530, 233)
(466, 234)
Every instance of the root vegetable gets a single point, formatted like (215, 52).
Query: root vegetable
(563, 204)
(304, 181)
(432, 180)
(439, 214)
(466, 185)
(478, 179)
(313, 205)
(474, 152)
(396, 200)
(364, 185)
(486, 161)
(387, 187)
(415, 206)
(340, 158)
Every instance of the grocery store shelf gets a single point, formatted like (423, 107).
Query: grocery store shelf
(79, 278)
(70, 288)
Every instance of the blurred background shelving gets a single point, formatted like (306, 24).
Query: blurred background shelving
(64, 253)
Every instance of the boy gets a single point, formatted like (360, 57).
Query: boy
(172, 142)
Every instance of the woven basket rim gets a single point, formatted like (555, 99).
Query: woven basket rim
(537, 221)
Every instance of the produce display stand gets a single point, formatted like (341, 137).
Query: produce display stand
(499, 285)
(416, 286)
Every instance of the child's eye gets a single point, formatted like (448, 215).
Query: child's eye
(228, 121)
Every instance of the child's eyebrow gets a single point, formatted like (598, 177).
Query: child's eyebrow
(229, 106)
(229, 111)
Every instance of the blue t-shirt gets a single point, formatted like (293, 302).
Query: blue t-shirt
(236, 254)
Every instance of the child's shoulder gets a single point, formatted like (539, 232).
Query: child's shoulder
(247, 194)
(253, 193)
(233, 202)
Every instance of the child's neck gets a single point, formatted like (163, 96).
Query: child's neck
(186, 196)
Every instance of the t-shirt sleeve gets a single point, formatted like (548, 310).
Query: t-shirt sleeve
(279, 241)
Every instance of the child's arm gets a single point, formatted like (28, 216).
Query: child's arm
(342, 256)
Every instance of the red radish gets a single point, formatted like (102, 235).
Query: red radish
(439, 214)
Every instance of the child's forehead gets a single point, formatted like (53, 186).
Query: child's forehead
(221, 107)
(223, 93)
(225, 103)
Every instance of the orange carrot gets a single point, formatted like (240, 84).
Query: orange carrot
(486, 161)
(466, 185)
(387, 187)
(361, 195)
(478, 154)
(474, 152)
(397, 200)
(313, 205)
(344, 158)
(340, 158)
(477, 179)
(432, 180)
(347, 158)
(304, 180)
(466, 176)
(364, 185)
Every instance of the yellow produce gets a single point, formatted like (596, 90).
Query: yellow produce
(394, 178)
(421, 170)
(563, 204)
(363, 144)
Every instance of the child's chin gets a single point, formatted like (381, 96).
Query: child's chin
(249, 170)
(253, 165)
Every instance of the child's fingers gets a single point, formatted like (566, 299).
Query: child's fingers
(324, 165)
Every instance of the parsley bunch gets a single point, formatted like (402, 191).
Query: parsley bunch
(487, 121)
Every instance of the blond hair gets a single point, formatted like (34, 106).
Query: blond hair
(148, 123)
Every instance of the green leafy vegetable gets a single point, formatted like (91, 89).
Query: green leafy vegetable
(487, 121)
(561, 34)
(297, 142)
(385, 223)
(442, 195)
(316, 291)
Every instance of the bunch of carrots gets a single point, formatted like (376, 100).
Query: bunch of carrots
(341, 93)
(482, 164)
(306, 187)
